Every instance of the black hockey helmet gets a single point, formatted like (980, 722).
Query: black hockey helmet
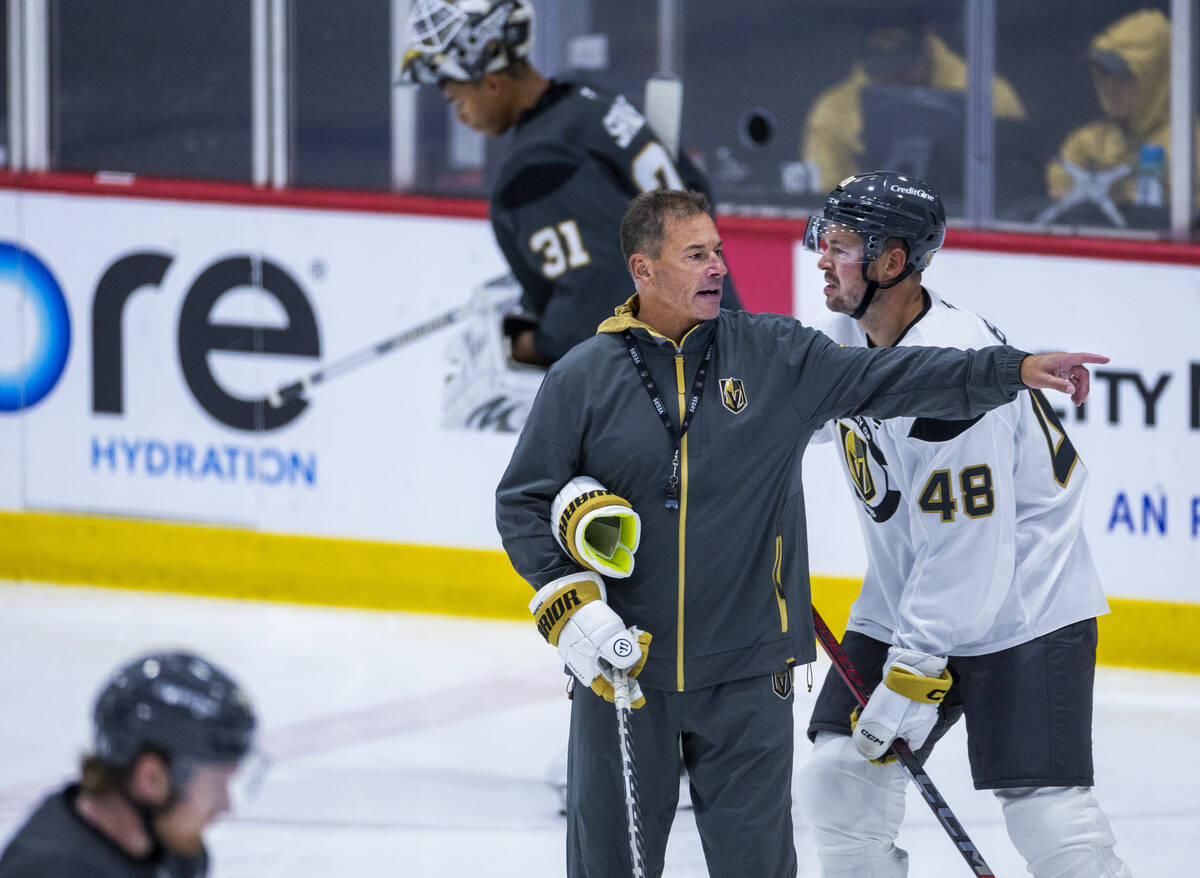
(882, 205)
(464, 39)
(175, 703)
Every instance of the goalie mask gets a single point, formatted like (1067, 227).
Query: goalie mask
(596, 527)
(464, 39)
(878, 206)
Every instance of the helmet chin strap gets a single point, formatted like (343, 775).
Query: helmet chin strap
(147, 813)
(872, 286)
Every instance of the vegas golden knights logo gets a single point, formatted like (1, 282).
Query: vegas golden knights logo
(855, 450)
(781, 682)
(862, 455)
(733, 394)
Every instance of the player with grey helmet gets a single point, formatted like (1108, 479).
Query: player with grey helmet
(170, 729)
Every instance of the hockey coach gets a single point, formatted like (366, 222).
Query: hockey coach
(697, 417)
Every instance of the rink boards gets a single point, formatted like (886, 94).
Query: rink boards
(146, 339)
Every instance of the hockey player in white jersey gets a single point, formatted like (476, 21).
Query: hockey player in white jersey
(980, 594)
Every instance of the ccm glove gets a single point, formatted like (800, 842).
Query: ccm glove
(904, 705)
(596, 527)
(572, 614)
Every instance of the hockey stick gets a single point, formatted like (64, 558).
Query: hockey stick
(633, 810)
(301, 386)
(904, 754)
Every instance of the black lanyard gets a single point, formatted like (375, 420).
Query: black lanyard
(660, 406)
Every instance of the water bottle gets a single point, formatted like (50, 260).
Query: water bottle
(1151, 172)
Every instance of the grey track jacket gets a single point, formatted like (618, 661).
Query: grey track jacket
(721, 582)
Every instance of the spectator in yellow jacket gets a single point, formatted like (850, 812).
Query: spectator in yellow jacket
(1131, 69)
(904, 52)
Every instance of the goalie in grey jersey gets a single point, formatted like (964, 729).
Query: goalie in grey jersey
(980, 594)
(577, 157)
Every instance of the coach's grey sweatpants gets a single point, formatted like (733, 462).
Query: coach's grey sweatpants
(737, 743)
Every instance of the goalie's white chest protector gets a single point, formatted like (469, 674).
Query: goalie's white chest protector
(973, 529)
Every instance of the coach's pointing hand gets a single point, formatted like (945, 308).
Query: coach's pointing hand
(1060, 371)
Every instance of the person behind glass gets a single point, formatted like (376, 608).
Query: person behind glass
(900, 48)
(578, 154)
(696, 417)
(1130, 63)
(170, 729)
(980, 594)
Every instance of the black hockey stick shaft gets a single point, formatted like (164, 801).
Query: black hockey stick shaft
(296, 389)
(633, 810)
(904, 754)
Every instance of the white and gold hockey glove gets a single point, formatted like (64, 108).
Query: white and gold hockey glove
(573, 615)
(904, 705)
(596, 527)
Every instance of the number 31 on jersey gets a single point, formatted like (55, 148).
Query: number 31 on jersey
(561, 245)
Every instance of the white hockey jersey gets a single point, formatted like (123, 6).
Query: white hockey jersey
(973, 529)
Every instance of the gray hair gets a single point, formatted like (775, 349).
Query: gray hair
(642, 227)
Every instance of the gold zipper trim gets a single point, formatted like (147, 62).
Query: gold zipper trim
(777, 576)
(682, 522)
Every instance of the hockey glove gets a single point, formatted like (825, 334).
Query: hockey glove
(518, 320)
(904, 705)
(595, 527)
(573, 616)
